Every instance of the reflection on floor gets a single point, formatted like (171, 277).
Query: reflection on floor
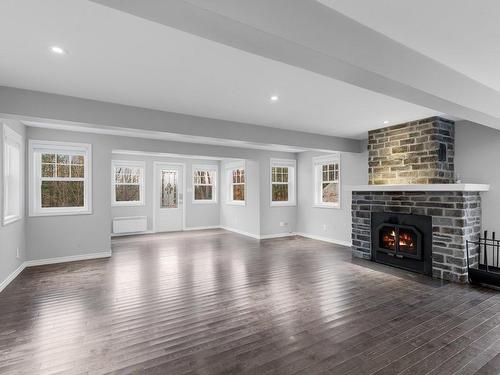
(214, 302)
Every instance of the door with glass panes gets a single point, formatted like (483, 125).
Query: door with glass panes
(169, 205)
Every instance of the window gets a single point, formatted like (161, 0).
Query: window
(204, 184)
(61, 178)
(127, 183)
(12, 180)
(327, 181)
(169, 193)
(282, 182)
(236, 183)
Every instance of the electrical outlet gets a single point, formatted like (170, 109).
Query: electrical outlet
(324, 227)
(18, 255)
(283, 223)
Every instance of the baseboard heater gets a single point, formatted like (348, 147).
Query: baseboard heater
(130, 224)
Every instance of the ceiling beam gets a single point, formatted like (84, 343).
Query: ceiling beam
(312, 36)
(109, 118)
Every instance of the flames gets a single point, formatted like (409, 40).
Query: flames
(406, 241)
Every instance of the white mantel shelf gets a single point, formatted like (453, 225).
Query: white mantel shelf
(422, 187)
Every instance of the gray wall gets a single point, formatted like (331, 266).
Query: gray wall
(12, 236)
(311, 219)
(61, 236)
(271, 217)
(476, 161)
(242, 218)
(197, 215)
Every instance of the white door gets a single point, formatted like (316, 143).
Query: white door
(169, 205)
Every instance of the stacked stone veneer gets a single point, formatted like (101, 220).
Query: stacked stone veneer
(456, 217)
(409, 153)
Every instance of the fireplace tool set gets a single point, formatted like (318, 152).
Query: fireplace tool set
(483, 260)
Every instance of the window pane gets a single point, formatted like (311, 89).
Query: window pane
(63, 159)
(168, 189)
(285, 175)
(242, 177)
(48, 158)
(62, 194)
(77, 171)
(77, 159)
(280, 193)
(273, 174)
(128, 193)
(238, 192)
(203, 192)
(62, 170)
(329, 192)
(48, 170)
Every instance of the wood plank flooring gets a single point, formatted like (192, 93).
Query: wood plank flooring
(214, 302)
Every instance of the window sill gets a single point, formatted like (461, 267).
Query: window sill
(335, 207)
(285, 204)
(204, 202)
(60, 213)
(10, 220)
(236, 203)
(128, 204)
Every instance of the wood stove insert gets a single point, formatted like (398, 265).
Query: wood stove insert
(402, 240)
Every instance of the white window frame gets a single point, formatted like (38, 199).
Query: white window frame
(317, 164)
(36, 148)
(230, 167)
(13, 139)
(142, 183)
(208, 167)
(291, 164)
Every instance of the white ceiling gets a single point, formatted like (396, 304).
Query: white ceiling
(120, 58)
(462, 34)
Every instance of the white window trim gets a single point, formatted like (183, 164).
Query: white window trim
(208, 167)
(230, 167)
(12, 137)
(142, 183)
(35, 147)
(317, 164)
(292, 182)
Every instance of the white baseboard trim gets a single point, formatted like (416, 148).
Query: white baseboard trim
(12, 276)
(248, 234)
(325, 239)
(72, 258)
(276, 235)
(203, 228)
(131, 234)
(42, 262)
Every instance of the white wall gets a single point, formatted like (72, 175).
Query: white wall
(197, 215)
(311, 220)
(477, 159)
(12, 236)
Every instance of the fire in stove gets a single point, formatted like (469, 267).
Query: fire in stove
(406, 242)
(389, 240)
(398, 240)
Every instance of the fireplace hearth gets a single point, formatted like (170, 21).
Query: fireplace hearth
(402, 240)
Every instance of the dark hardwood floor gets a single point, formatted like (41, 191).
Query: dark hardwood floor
(214, 302)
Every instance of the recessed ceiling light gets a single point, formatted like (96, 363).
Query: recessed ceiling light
(386, 122)
(58, 50)
(274, 98)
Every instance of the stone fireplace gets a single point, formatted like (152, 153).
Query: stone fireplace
(412, 215)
